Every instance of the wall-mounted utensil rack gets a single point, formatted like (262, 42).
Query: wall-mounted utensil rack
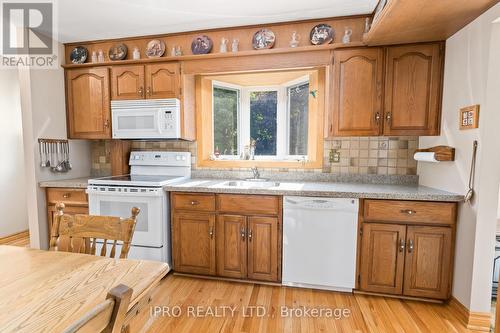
(54, 154)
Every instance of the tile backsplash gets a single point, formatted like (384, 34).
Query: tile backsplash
(358, 155)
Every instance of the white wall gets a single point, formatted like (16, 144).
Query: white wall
(44, 116)
(472, 75)
(13, 200)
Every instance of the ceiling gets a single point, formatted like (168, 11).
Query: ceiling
(103, 19)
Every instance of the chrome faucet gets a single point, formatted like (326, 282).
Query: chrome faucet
(256, 173)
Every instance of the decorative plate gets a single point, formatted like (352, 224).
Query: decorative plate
(155, 48)
(321, 34)
(118, 52)
(78, 55)
(201, 45)
(263, 39)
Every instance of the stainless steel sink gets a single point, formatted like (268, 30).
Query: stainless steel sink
(251, 184)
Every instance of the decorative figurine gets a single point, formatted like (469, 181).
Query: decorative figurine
(178, 51)
(136, 55)
(100, 56)
(234, 45)
(346, 39)
(294, 42)
(94, 56)
(223, 45)
(173, 51)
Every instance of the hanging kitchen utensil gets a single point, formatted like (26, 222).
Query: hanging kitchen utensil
(470, 192)
(54, 154)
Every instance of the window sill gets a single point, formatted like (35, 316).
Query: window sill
(289, 164)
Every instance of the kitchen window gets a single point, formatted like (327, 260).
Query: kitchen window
(277, 113)
(261, 122)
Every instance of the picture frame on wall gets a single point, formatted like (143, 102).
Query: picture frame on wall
(469, 117)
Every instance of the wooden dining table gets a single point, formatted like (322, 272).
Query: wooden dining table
(46, 291)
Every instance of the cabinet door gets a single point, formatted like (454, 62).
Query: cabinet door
(413, 90)
(194, 243)
(428, 262)
(162, 80)
(263, 248)
(357, 92)
(382, 258)
(231, 246)
(88, 108)
(127, 82)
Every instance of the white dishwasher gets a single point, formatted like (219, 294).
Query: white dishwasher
(319, 242)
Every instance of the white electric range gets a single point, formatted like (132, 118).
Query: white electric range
(150, 172)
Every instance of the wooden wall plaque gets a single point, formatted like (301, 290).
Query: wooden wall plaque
(469, 117)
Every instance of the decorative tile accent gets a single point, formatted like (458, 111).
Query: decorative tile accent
(358, 156)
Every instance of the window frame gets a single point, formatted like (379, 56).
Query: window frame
(318, 78)
(244, 123)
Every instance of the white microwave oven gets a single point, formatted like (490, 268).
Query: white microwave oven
(146, 119)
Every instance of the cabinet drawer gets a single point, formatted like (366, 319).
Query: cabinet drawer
(193, 201)
(410, 211)
(68, 196)
(248, 204)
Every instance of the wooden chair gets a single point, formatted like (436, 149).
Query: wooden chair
(107, 316)
(79, 233)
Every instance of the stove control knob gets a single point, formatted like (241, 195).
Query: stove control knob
(183, 158)
(177, 158)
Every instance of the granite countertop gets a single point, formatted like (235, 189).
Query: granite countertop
(319, 189)
(68, 183)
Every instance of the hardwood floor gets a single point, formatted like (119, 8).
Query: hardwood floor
(181, 295)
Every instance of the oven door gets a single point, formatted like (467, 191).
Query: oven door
(137, 124)
(118, 201)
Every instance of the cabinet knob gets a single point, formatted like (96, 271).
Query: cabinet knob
(242, 233)
(408, 211)
(410, 246)
(106, 123)
(148, 91)
(250, 234)
(401, 245)
(195, 203)
(388, 117)
(211, 232)
(377, 117)
(140, 92)
(66, 195)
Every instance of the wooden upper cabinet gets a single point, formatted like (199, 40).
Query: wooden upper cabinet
(194, 243)
(413, 89)
(127, 82)
(382, 258)
(88, 103)
(231, 246)
(428, 262)
(357, 97)
(263, 248)
(163, 80)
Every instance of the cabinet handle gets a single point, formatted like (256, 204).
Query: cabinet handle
(377, 117)
(242, 233)
(401, 245)
(250, 235)
(148, 91)
(66, 195)
(140, 92)
(410, 246)
(195, 203)
(388, 117)
(408, 211)
(106, 123)
(211, 232)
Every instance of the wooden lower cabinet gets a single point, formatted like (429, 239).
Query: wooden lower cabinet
(194, 242)
(407, 258)
(263, 248)
(428, 261)
(245, 245)
(232, 246)
(382, 259)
